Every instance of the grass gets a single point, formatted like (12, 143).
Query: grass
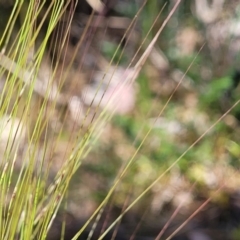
(42, 151)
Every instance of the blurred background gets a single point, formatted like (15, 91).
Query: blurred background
(197, 58)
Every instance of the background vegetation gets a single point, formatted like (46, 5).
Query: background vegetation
(96, 142)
